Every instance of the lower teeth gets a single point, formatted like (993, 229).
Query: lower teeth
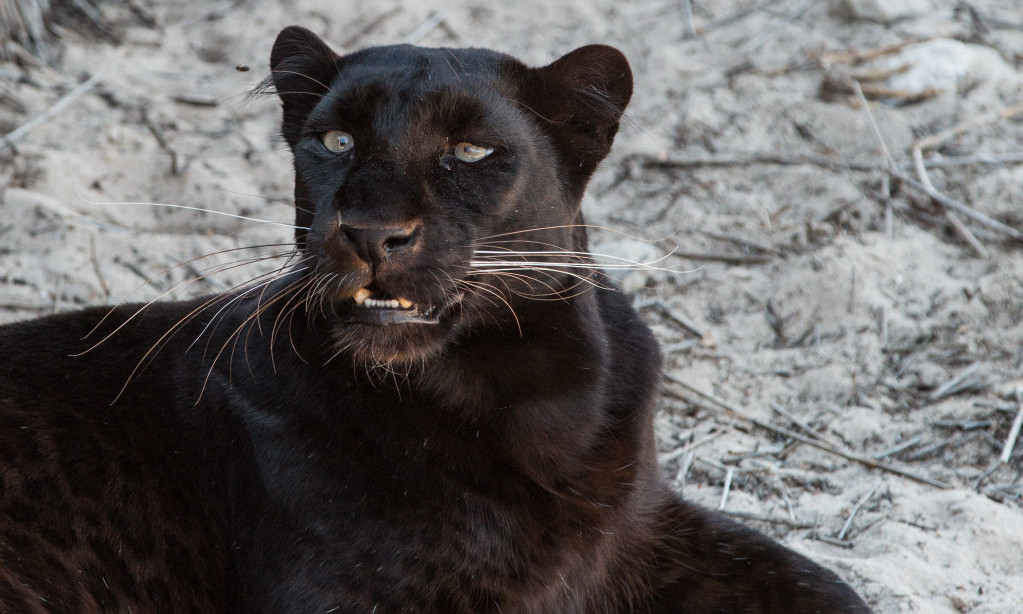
(373, 303)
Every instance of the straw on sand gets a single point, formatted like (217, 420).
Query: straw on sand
(24, 22)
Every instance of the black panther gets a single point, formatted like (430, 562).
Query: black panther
(439, 404)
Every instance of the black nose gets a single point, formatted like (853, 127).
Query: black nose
(374, 244)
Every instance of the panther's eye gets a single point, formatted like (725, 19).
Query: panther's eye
(467, 152)
(337, 141)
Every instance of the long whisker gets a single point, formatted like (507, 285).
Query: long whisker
(501, 298)
(555, 294)
(247, 289)
(510, 252)
(291, 291)
(189, 208)
(214, 320)
(179, 285)
(536, 268)
(260, 309)
(203, 273)
(563, 226)
(527, 265)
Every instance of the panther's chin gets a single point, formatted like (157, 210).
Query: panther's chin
(387, 335)
(374, 308)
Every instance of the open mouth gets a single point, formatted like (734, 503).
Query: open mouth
(371, 308)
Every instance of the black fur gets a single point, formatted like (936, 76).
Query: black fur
(283, 450)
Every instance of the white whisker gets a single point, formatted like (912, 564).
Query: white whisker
(188, 208)
(520, 265)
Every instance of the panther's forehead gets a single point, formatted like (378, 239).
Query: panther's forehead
(405, 93)
(409, 67)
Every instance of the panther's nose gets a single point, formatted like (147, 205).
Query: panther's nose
(374, 244)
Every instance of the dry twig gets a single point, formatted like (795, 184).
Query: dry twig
(1010, 441)
(729, 473)
(789, 522)
(852, 514)
(435, 20)
(900, 447)
(956, 384)
(947, 202)
(162, 142)
(748, 159)
(936, 140)
(858, 56)
(742, 414)
(7, 141)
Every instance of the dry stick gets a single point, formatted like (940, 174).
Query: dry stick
(735, 16)
(966, 233)
(832, 541)
(740, 241)
(859, 57)
(803, 425)
(889, 160)
(764, 35)
(998, 159)
(27, 305)
(92, 15)
(987, 472)
(901, 447)
(743, 414)
(957, 224)
(884, 325)
(955, 205)
(726, 258)
(12, 136)
(989, 118)
(729, 473)
(889, 209)
(687, 19)
(1010, 441)
(937, 139)
(676, 348)
(96, 267)
(352, 40)
(433, 21)
(745, 159)
(195, 100)
(855, 509)
(951, 386)
(748, 159)
(683, 471)
(679, 319)
(789, 522)
(161, 140)
(934, 194)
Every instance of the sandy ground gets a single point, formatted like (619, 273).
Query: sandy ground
(811, 293)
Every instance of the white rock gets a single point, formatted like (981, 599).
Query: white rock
(945, 64)
(883, 11)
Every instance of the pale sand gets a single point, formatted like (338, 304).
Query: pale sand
(845, 327)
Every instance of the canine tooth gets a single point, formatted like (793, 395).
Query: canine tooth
(361, 296)
(405, 303)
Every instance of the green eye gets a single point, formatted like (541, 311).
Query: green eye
(337, 141)
(467, 152)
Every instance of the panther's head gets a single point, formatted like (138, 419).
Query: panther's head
(437, 191)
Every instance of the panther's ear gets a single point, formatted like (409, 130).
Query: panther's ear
(302, 68)
(580, 99)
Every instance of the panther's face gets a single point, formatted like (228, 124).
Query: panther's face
(427, 179)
